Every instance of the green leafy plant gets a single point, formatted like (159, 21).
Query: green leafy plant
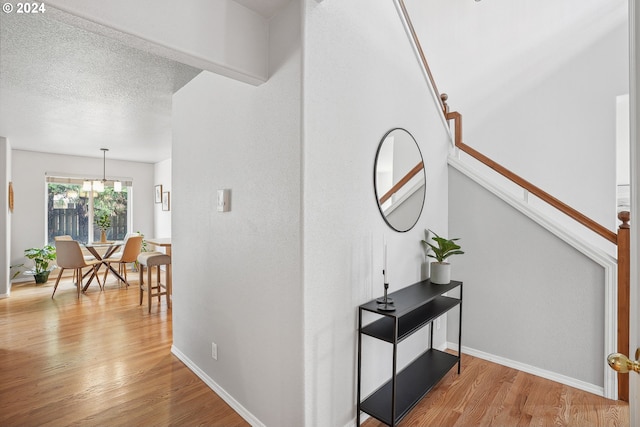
(143, 248)
(42, 258)
(103, 220)
(15, 270)
(443, 248)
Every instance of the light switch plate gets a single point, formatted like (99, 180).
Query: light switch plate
(224, 200)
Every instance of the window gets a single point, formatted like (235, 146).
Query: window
(73, 206)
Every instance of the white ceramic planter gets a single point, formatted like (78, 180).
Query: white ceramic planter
(440, 273)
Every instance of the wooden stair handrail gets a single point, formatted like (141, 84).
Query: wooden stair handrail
(413, 172)
(537, 191)
(622, 239)
(624, 296)
(423, 58)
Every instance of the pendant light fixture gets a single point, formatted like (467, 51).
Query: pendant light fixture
(99, 185)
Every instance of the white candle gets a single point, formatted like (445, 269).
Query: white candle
(384, 266)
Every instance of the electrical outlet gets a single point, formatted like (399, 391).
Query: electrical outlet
(438, 323)
(214, 351)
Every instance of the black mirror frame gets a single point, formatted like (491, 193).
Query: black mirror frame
(375, 186)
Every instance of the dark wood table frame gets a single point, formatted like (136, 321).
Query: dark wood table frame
(112, 247)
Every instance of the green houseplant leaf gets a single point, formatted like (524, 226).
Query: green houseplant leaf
(42, 257)
(103, 220)
(443, 247)
(16, 270)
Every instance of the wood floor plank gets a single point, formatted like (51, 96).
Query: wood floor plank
(514, 401)
(504, 386)
(102, 360)
(487, 394)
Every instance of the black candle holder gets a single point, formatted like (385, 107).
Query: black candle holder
(385, 303)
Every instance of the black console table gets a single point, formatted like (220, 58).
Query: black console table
(416, 306)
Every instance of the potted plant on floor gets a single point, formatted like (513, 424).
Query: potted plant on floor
(143, 248)
(444, 248)
(43, 259)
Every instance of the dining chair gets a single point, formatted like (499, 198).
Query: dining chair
(67, 237)
(69, 255)
(126, 238)
(132, 248)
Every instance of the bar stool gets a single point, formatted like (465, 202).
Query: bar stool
(150, 260)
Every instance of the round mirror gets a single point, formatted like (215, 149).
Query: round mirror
(399, 180)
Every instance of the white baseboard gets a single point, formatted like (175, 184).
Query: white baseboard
(533, 370)
(3, 296)
(241, 410)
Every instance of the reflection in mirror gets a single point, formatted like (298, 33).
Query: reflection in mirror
(399, 180)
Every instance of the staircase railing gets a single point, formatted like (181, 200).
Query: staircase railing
(536, 191)
(621, 239)
(405, 179)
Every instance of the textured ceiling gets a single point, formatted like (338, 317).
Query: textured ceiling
(65, 90)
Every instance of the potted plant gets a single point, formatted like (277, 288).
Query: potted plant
(15, 270)
(103, 221)
(144, 248)
(444, 248)
(42, 258)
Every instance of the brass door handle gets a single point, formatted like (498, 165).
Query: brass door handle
(621, 363)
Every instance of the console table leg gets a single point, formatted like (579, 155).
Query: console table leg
(395, 362)
(460, 332)
(359, 365)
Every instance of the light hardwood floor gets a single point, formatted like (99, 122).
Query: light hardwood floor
(104, 361)
(99, 361)
(487, 394)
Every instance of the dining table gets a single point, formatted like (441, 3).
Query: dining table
(110, 248)
(164, 242)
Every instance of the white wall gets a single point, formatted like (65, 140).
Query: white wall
(237, 275)
(28, 227)
(162, 219)
(361, 79)
(536, 82)
(623, 164)
(529, 297)
(216, 35)
(567, 123)
(5, 217)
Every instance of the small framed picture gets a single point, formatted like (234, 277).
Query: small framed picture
(158, 194)
(10, 196)
(165, 201)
